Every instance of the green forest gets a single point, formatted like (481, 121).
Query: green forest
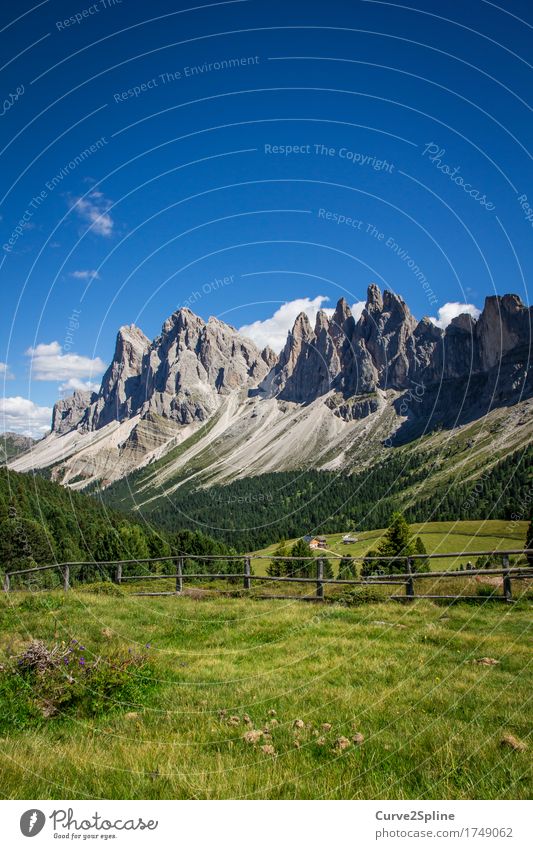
(255, 512)
(41, 522)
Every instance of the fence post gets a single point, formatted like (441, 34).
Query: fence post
(247, 573)
(319, 579)
(118, 574)
(179, 575)
(507, 589)
(7, 586)
(66, 578)
(410, 584)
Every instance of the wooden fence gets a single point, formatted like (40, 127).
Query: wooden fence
(407, 579)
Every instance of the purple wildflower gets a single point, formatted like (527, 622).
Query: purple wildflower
(82, 661)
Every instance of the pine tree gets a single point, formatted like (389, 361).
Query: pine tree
(304, 566)
(278, 568)
(397, 543)
(347, 568)
(422, 564)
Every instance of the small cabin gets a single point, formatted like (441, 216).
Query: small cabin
(348, 539)
(318, 542)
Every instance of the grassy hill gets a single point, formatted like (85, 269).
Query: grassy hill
(438, 538)
(432, 718)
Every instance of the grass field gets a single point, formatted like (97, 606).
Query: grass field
(406, 678)
(438, 537)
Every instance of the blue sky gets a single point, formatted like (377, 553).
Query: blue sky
(238, 157)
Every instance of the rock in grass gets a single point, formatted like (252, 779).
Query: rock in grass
(341, 744)
(321, 741)
(358, 738)
(252, 737)
(326, 726)
(298, 723)
(487, 661)
(268, 749)
(272, 712)
(234, 720)
(513, 742)
(246, 719)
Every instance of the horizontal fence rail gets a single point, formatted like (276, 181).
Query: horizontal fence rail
(406, 579)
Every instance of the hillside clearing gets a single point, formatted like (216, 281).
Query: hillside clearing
(438, 537)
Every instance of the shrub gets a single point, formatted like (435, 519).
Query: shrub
(44, 683)
(487, 591)
(361, 595)
(41, 601)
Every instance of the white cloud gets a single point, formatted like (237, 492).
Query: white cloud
(81, 385)
(21, 415)
(94, 208)
(48, 362)
(357, 309)
(273, 331)
(5, 372)
(85, 275)
(453, 309)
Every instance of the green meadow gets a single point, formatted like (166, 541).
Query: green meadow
(438, 538)
(374, 701)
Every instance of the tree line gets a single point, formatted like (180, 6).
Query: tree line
(252, 513)
(43, 523)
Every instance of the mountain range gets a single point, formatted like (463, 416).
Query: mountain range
(202, 405)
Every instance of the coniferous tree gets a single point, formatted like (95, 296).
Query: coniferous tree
(304, 566)
(420, 564)
(397, 544)
(278, 568)
(347, 568)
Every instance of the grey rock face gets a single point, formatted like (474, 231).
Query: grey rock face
(179, 376)
(504, 324)
(72, 412)
(354, 409)
(388, 349)
(121, 392)
(185, 372)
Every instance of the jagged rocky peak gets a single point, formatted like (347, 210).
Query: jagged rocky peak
(504, 324)
(341, 324)
(269, 357)
(185, 373)
(386, 330)
(121, 391)
(374, 301)
(322, 323)
(69, 413)
(342, 313)
(464, 322)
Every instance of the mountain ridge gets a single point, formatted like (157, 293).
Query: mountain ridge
(204, 396)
